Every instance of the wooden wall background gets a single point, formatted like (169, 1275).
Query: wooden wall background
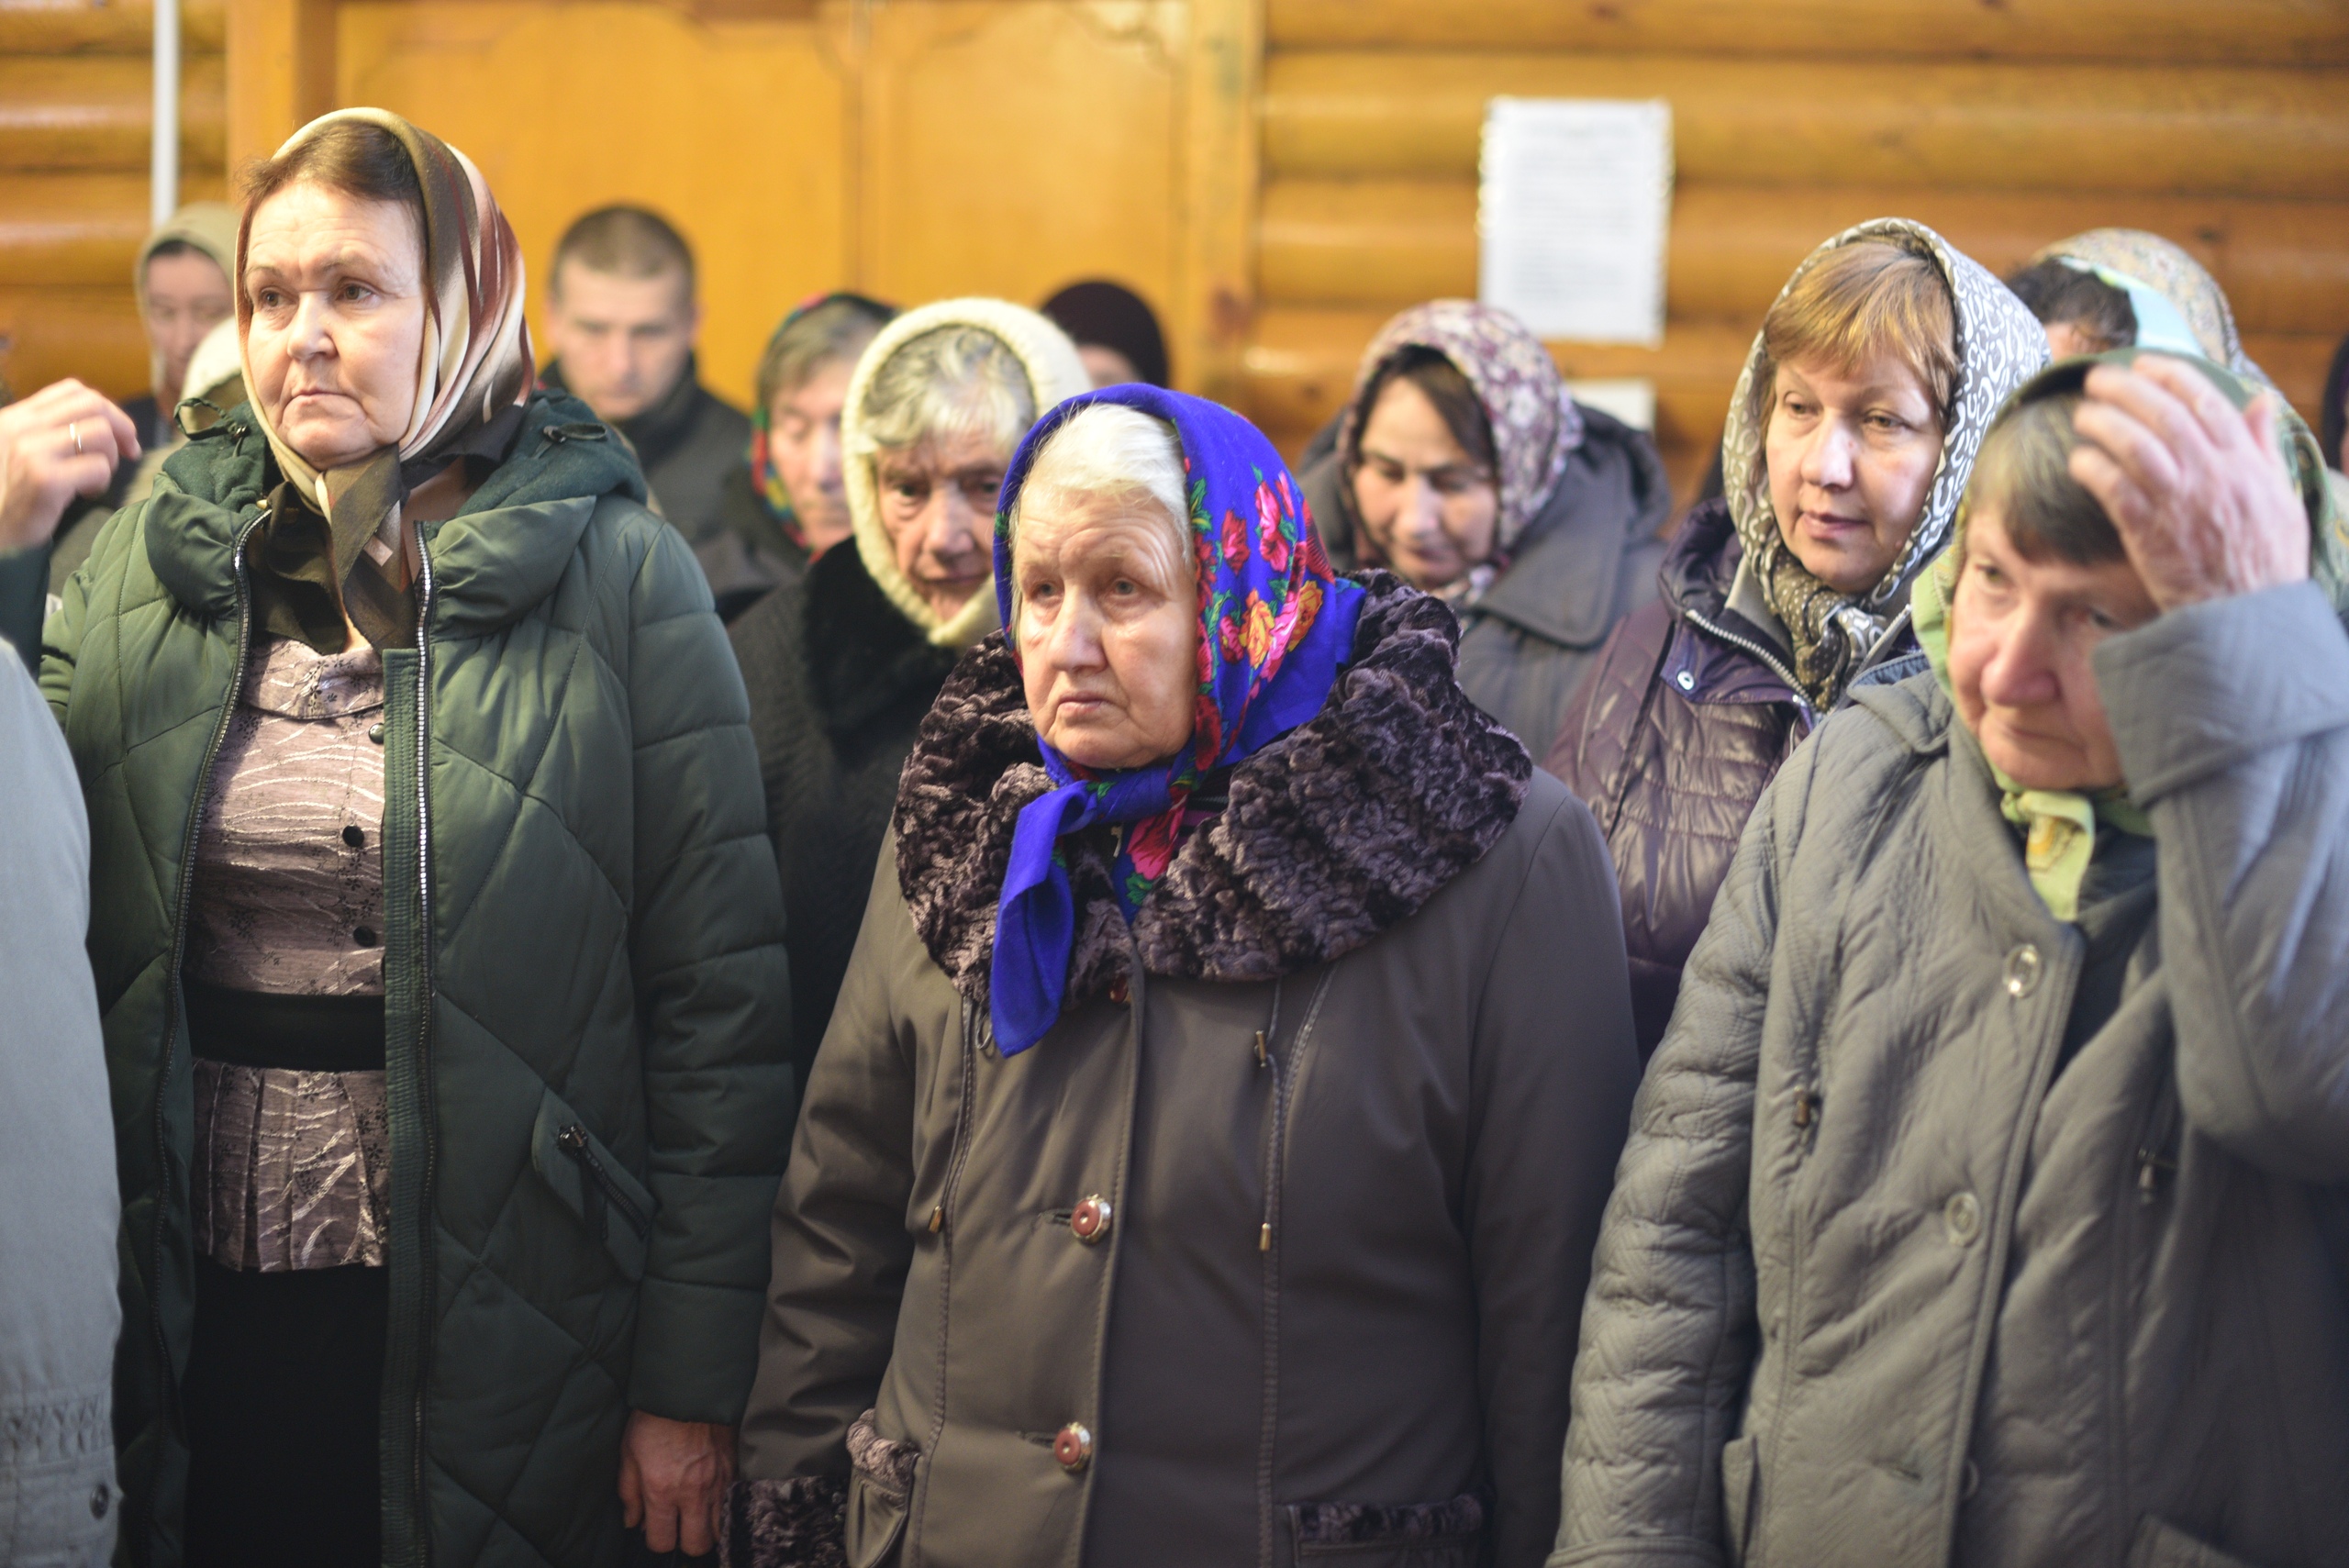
(1277, 176)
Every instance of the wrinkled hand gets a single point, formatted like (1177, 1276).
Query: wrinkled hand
(41, 471)
(673, 1476)
(2195, 487)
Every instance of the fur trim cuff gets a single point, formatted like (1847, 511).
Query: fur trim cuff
(798, 1523)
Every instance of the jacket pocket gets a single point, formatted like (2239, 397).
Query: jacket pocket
(1391, 1535)
(880, 1488)
(1737, 1474)
(2160, 1545)
(584, 1174)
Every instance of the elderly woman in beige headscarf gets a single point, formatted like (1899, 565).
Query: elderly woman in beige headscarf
(438, 949)
(842, 664)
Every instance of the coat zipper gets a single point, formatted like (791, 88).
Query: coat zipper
(1769, 660)
(423, 1217)
(572, 1141)
(178, 950)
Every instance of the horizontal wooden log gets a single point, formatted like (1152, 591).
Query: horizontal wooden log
(93, 112)
(2248, 32)
(1300, 365)
(2285, 265)
(91, 334)
(2147, 130)
(79, 230)
(120, 27)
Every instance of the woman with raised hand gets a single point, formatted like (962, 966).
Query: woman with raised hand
(437, 946)
(1850, 438)
(1203, 1160)
(1463, 464)
(1988, 1200)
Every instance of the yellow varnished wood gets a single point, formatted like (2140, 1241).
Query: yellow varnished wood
(2252, 32)
(94, 111)
(1388, 242)
(732, 130)
(1980, 125)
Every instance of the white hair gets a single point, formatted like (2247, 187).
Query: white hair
(1109, 449)
(950, 382)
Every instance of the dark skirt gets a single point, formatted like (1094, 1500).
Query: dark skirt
(283, 1391)
(285, 1370)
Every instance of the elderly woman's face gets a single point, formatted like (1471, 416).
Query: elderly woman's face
(337, 286)
(938, 504)
(1428, 504)
(1108, 628)
(2021, 634)
(1851, 453)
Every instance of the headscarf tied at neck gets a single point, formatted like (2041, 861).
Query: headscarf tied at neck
(1275, 624)
(2059, 826)
(1999, 346)
(1535, 424)
(472, 378)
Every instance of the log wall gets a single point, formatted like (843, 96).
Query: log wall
(76, 85)
(2006, 126)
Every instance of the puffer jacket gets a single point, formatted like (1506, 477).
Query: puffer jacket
(1223, 1269)
(1929, 1247)
(1674, 736)
(1586, 560)
(582, 930)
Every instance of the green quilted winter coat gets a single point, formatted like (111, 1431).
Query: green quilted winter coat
(583, 928)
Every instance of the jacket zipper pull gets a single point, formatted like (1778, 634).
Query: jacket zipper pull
(1806, 1108)
(1261, 1059)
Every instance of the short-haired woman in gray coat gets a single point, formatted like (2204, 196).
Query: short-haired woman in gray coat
(1987, 1202)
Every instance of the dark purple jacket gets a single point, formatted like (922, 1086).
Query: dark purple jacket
(1671, 739)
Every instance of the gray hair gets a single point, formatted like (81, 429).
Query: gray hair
(2024, 470)
(1109, 449)
(955, 380)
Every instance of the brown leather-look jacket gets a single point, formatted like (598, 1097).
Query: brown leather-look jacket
(1672, 738)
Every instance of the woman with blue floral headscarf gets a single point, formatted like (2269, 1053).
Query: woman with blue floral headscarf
(1207, 1150)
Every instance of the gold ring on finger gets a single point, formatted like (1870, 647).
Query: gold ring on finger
(74, 430)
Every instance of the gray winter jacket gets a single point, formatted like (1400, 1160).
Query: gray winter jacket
(58, 1207)
(1895, 1273)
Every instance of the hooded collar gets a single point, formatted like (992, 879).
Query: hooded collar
(1337, 831)
(2000, 344)
(492, 562)
(1562, 584)
(1055, 372)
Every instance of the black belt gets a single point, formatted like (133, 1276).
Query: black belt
(306, 1034)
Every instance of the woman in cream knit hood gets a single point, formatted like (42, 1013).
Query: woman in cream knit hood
(841, 666)
(936, 407)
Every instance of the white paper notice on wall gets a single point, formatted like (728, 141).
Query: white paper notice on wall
(1573, 215)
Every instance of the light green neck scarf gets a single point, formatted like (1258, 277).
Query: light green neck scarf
(2058, 826)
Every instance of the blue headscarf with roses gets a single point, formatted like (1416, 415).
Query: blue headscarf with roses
(1276, 624)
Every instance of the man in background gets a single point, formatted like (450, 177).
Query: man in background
(622, 316)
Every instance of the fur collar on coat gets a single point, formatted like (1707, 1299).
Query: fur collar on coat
(1340, 829)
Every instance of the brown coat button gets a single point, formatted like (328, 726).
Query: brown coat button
(1119, 991)
(1073, 1448)
(1090, 1219)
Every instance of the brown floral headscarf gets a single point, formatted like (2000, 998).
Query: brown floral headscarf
(1535, 424)
(473, 376)
(2156, 263)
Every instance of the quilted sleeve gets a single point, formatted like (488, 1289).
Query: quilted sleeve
(712, 992)
(2233, 723)
(1668, 1332)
